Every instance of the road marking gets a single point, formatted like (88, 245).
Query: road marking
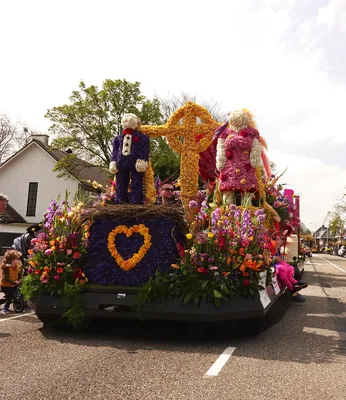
(335, 266)
(16, 316)
(220, 362)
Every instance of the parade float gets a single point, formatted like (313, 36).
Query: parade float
(209, 261)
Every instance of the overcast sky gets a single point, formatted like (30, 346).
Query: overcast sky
(285, 60)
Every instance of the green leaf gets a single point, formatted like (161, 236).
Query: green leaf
(217, 294)
(187, 297)
(204, 284)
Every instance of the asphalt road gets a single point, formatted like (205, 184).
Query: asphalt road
(301, 357)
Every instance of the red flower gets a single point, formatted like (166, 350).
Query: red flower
(37, 271)
(246, 282)
(76, 255)
(181, 250)
(202, 270)
(199, 137)
(229, 155)
(225, 273)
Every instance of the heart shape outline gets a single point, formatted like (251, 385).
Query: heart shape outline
(130, 263)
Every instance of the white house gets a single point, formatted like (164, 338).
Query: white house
(27, 178)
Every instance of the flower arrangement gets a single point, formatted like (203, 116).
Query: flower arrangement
(227, 249)
(56, 259)
(129, 263)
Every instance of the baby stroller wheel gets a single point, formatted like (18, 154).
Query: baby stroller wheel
(18, 304)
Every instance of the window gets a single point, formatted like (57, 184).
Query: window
(32, 199)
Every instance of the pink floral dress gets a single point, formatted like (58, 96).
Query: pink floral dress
(237, 173)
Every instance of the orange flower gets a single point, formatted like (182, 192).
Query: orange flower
(241, 251)
(225, 273)
(37, 271)
(60, 270)
(175, 266)
(46, 269)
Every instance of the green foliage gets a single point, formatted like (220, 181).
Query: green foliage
(89, 123)
(164, 160)
(336, 224)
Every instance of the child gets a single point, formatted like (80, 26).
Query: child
(10, 267)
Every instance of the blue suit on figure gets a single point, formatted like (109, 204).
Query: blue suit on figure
(129, 160)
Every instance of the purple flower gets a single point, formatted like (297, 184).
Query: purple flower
(192, 204)
(259, 212)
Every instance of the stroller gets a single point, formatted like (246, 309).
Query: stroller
(17, 301)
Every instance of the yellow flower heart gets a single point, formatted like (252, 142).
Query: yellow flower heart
(130, 263)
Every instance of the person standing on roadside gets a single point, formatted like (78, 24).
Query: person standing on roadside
(3, 202)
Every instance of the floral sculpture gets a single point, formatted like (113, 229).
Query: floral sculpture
(129, 161)
(239, 151)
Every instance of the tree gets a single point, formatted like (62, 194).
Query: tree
(88, 124)
(172, 103)
(336, 224)
(164, 160)
(7, 133)
(308, 239)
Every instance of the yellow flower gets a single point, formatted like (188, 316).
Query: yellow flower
(189, 235)
(210, 235)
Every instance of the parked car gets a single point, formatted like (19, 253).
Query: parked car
(308, 252)
(342, 251)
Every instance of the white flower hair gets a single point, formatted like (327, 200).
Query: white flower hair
(239, 120)
(130, 121)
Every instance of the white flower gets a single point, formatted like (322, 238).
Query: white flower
(130, 121)
(126, 150)
(113, 167)
(220, 154)
(141, 165)
(255, 155)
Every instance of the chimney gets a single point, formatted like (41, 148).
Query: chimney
(40, 138)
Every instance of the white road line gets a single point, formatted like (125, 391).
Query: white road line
(16, 316)
(220, 362)
(335, 266)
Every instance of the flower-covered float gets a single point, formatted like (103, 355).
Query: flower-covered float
(208, 261)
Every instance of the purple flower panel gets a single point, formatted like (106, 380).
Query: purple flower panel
(102, 268)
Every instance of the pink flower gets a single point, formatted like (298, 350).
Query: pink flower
(214, 268)
(248, 256)
(56, 277)
(69, 252)
(48, 252)
(30, 270)
(44, 277)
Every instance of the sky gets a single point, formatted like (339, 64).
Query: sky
(285, 60)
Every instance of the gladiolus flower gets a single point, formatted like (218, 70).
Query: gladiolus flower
(192, 204)
(44, 277)
(48, 252)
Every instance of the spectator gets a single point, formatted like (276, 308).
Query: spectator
(23, 243)
(3, 202)
(10, 268)
(166, 196)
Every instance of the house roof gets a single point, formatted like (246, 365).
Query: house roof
(10, 215)
(81, 170)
